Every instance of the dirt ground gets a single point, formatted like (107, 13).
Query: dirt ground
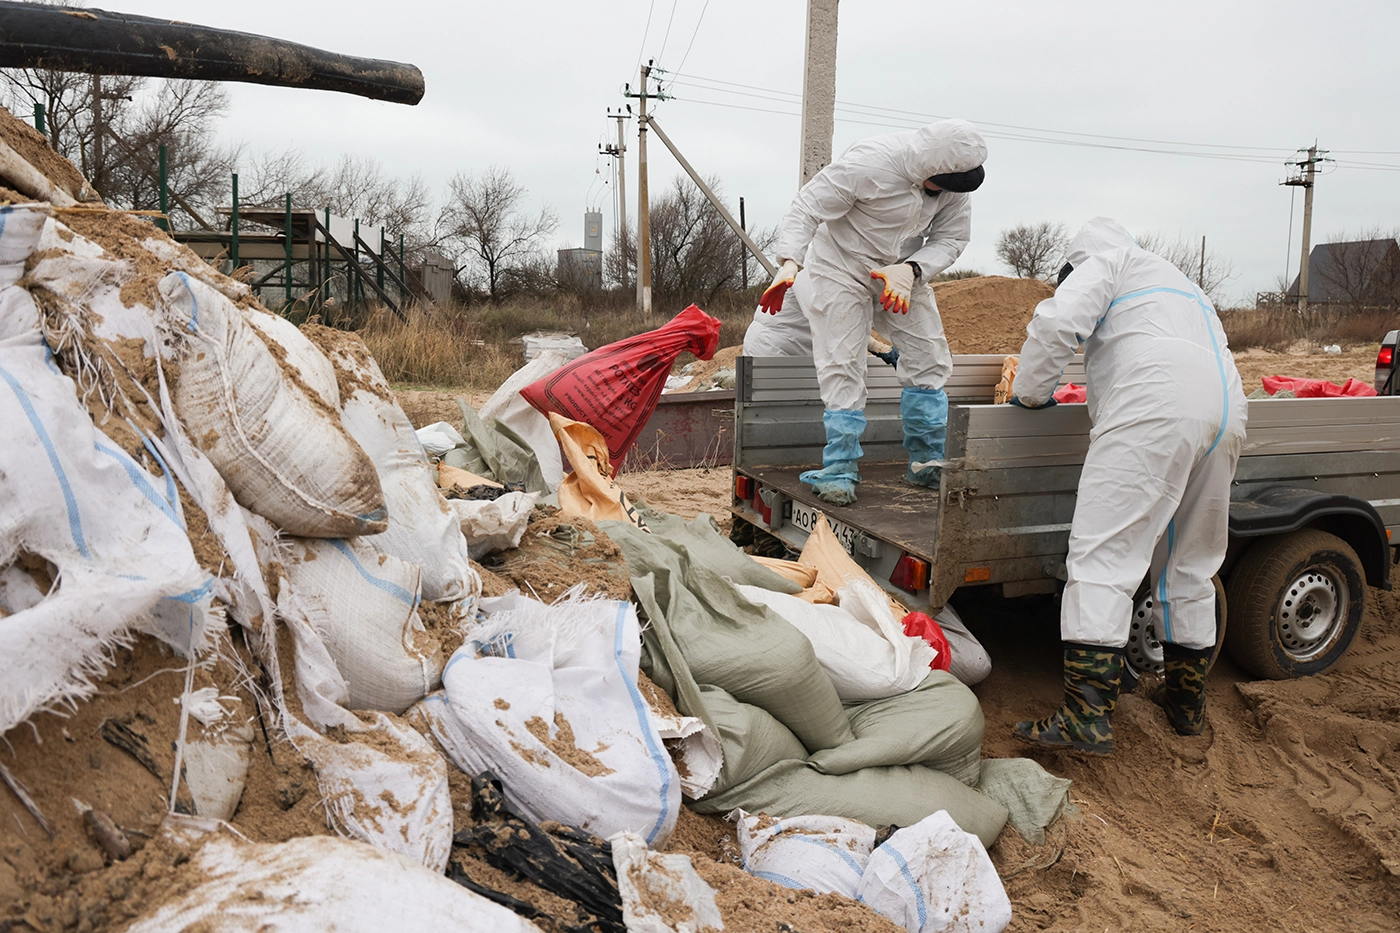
(1282, 817)
(1304, 360)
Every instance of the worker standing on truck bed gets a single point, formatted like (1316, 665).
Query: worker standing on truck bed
(1168, 416)
(874, 225)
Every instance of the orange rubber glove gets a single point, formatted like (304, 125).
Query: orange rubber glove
(899, 283)
(772, 300)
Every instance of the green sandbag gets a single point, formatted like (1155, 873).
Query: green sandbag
(722, 639)
(948, 736)
(751, 740)
(901, 795)
(495, 451)
(704, 544)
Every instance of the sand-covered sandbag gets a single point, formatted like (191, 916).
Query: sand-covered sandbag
(546, 698)
(319, 884)
(363, 606)
(280, 448)
(101, 540)
(661, 893)
(423, 529)
(823, 853)
(507, 407)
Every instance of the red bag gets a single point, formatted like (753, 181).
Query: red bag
(1317, 388)
(615, 388)
(923, 626)
(1071, 394)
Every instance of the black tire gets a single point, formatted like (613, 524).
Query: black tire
(1143, 654)
(1297, 602)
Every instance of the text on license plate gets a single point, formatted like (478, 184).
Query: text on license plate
(805, 517)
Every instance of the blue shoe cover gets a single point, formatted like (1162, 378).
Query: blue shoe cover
(924, 413)
(836, 481)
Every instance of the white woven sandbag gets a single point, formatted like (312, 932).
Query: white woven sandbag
(363, 606)
(661, 893)
(491, 525)
(857, 643)
(546, 697)
(307, 361)
(319, 883)
(277, 444)
(113, 533)
(823, 853)
(423, 528)
(934, 878)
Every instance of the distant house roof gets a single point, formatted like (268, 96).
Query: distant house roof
(1331, 266)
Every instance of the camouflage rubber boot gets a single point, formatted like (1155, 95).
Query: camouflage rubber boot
(1183, 693)
(1085, 721)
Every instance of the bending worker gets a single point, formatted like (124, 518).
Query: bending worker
(1168, 416)
(875, 225)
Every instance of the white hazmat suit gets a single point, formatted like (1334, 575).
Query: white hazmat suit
(1168, 415)
(869, 209)
(862, 230)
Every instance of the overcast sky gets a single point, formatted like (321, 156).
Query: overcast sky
(527, 85)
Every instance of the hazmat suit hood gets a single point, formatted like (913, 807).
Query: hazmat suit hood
(940, 148)
(1100, 235)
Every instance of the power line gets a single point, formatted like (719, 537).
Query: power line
(667, 37)
(645, 32)
(693, 35)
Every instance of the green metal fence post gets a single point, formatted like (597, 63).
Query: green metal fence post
(358, 296)
(379, 268)
(39, 120)
(233, 243)
(288, 243)
(402, 279)
(326, 280)
(164, 180)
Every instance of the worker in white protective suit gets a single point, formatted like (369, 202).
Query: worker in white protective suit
(1168, 415)
(787, 332)
(875, 225)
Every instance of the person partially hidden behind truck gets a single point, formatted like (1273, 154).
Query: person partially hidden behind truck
(874, 225)
(1168, 415)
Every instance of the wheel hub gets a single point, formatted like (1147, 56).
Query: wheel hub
(1144, 649)
(1310, 614)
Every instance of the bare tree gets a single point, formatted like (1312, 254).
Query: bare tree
(695, 254)
(1033, 251)
(499, 244)
(1364, 268)
(1210, 274)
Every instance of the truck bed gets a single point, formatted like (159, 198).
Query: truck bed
(889, 508)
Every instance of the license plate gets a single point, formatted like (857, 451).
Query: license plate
(805, 517)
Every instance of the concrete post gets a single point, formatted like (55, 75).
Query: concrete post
(818, 89)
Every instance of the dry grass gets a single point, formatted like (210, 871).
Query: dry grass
(478, 346)
(1279, 330)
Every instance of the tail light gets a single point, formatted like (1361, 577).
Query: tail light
(744, 488)
(910, 574)
(1386, 357)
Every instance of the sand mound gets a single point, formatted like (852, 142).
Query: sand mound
(988, 314)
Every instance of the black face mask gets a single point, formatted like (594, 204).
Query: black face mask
(1065, 270)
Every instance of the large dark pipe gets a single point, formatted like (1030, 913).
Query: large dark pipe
(100, 42)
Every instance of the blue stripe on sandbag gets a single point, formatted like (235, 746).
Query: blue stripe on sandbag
(776, 878)
(75, 521)
(836, 850)
(909, 880)
(658, 757)
(393, 589)
(196, 594)
(138, 479)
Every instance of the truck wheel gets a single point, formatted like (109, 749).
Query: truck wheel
(1143, 654)
(1298, 601)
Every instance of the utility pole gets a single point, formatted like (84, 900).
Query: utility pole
(818, 89)
(1305, 179)
(643, 210)
(1201, 276)
(619, 152)
(743, 257)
